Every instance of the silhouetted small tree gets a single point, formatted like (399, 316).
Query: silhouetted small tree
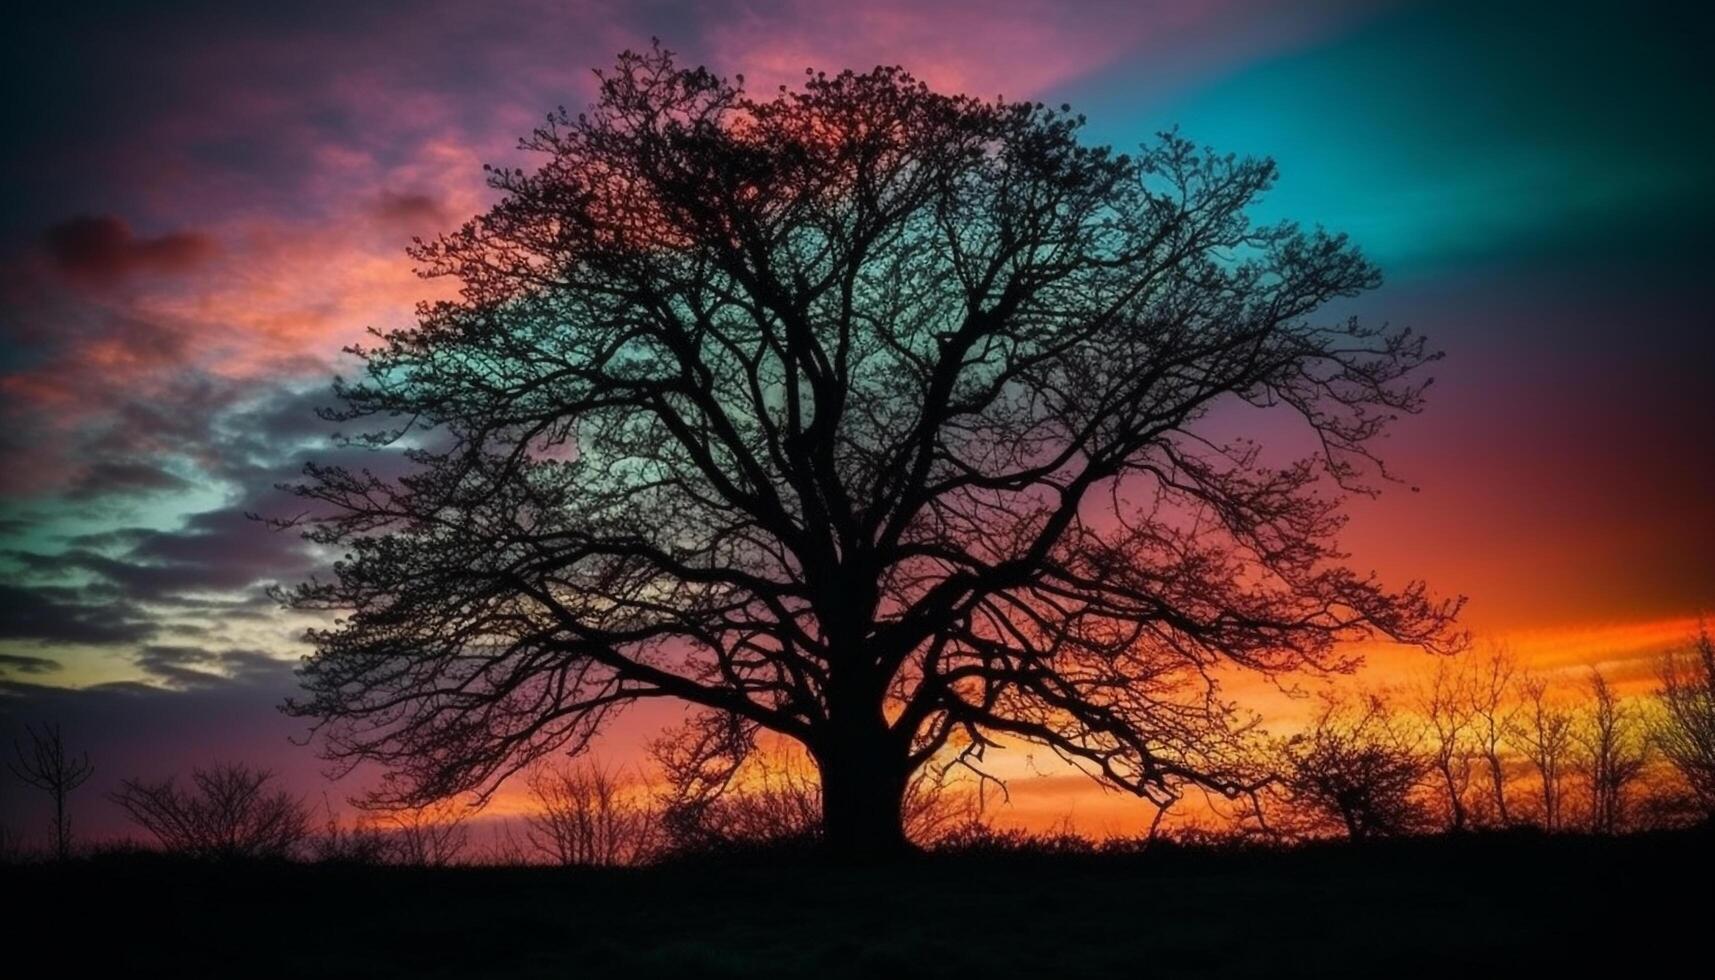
(432, 836)
(935, 805)
(1684, 726)
(698, 761)
(586, 815)
(1493, 710)
(875, 417)
(506, 848)
(721, 790)
(360, 842)
(1544, 733)
(1615, 752)
(1358, 769)
(47, 767)
(1445, 700)
(229, 812)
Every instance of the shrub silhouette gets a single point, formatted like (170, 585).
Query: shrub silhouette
(586, 815)
(230, 812)
(1357, 769)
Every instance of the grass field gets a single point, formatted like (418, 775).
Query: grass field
(1473, 907)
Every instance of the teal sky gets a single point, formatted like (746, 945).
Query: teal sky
(1446, 134)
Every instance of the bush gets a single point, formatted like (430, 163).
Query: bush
(231, 813)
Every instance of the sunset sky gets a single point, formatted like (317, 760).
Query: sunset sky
(203, 201)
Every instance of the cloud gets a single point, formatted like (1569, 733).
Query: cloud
(112, 477)
(200, 577)
(62, 614)
(219, 551)
(81, 437)
(89, 371)
(103, 249)
(411, 210)
(189, 666)
(15, 663)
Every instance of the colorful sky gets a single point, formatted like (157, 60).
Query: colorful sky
(203, 201)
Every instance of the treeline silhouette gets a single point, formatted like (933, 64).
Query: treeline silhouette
(1477, 743)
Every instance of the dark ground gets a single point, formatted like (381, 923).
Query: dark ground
(1454, 907)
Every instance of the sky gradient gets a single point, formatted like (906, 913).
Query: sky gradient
(205, 201)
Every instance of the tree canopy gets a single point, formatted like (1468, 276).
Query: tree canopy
(872, 416)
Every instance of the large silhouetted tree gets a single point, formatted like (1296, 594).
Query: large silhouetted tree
(888, 420)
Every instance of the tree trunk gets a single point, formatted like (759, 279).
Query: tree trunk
(1455, 800)
(62, 827)
(1498, 784)
(864, 775)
